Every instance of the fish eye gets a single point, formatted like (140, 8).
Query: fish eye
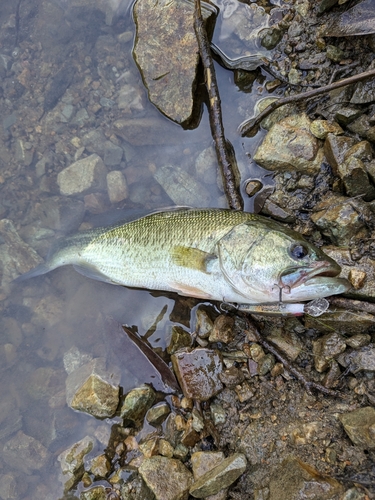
(298, 251)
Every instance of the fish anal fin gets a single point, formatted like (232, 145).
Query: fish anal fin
(192, 258)
(190, 291)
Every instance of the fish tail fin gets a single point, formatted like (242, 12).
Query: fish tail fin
(37, 271)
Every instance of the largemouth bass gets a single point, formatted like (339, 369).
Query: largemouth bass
(213, 254)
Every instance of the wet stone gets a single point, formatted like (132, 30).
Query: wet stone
(25, 454)
(290, 146)
(293, 478)
(136, 404)
(341, 321)
(335, 149)
(221, 476)
(182, 188)
(100, 466)
(327, 348)
(116, 186)
(355, 179)
(266, 364)
(359, 360)
(360, 426)
(190, 436)
(204, 323)
(11, 487)
(218, 414)
(112, 154)
(158, 413)
(92, 389)
(180, 338)
(223, 329)
(94, 493)
(198, 373)
(82, 177)
(72, 462)
(321, 128)
(232, 376)
(167, 478)
(206, 165)
(347, 114)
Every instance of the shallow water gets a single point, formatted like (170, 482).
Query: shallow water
(44, 319)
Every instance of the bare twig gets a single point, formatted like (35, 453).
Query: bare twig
(352, 305)
(224, 149)
(309, 384)
(250, 127)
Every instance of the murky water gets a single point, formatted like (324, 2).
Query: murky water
(48, 317)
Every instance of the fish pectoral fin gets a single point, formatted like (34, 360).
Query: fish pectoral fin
(193, 258)
(93, 273)
(190, 291)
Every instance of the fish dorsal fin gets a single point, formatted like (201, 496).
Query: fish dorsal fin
(192, 258)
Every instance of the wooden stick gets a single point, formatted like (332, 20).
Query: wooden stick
(224, 150)
(251, 127)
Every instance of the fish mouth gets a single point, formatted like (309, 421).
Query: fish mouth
(296, 276)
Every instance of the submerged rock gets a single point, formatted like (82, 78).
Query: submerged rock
(82, 177)
(72, 462)
(182, 188)
(25, 453)
(92, 389)
(360, 426)
(198, 372)
(167, 478)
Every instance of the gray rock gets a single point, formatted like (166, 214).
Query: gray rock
(74, 358)
(83, 176)
(170, 79)
(16, 257)
(232, 376)
(359, 360)
(221, 476)
(326, 348)
(92, 389)
(136, 404)
(198, 372)
(345, 115)
(130, 98)
(72, 462)
(206, 165)
(11, 486)
(293, 478)
(358, 341)
(167, 478)
(24, 453)
(112, 154)
(360, 426)
(289, 146)
(60, 213)
(24, 154)
(182, 188)
(94, 141)
(117, 186)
